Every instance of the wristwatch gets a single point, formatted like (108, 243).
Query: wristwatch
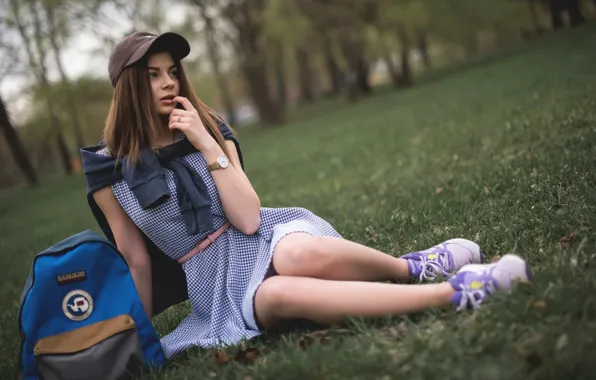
(221, 163)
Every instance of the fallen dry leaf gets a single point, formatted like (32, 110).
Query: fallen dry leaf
(438, 190)
(320, 333)
(568, 238)
(220, 357)
(540, 305)
(485, 189)
(390, 332)
(342, 331)
(305, 341)
(247, 356)
(495, 259)
(320, 336)
(398, 331)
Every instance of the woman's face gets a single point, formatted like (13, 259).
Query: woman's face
(163, 76)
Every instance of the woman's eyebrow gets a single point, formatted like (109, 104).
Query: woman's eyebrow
(157, 68)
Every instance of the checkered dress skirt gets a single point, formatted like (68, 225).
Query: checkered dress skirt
(222, 280)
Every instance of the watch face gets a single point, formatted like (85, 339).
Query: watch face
(222, 161)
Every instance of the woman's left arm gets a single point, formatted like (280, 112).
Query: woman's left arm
(240, 201)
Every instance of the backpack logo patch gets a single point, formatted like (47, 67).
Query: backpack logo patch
(71, 277)
(77, 305)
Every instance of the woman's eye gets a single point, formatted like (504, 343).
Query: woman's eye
(153, 74)
(174, 73)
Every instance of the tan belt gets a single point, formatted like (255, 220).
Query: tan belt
(204, 243)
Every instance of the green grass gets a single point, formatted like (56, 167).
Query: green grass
(510, 142)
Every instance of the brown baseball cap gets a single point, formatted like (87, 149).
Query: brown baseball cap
(134, 47)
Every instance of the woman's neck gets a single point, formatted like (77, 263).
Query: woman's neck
(166, 136)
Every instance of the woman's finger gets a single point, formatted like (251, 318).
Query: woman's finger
(178, 112)
(185, 103)
(180, 119)
(183, 122)
(178, 125)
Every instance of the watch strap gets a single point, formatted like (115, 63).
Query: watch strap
(213, 166)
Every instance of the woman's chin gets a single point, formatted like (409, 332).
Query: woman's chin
(165, 110)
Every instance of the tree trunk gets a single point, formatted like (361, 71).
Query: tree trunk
(556, 14)
(406, 70)
(305, 75)
(245, 17)
(14, 142)
(573, 9)
(362, 74)
(213, 53)
(423, 46)
(534, 12)
(71, 108)
(333, 70)
(269, 111)
(280, 77)
(45, 86)
(61, 142)
(575, 14)
(393, 71)
(357, 78)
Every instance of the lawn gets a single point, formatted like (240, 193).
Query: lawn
(501, 153)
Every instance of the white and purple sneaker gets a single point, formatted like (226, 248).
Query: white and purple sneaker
(443, 259)
(474, 282)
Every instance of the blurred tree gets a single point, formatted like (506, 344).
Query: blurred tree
(57, 21)
(23, 19)
(9, 67)
(93, 97)
(17, 148)
(206, 8)
(533, 7)
(558, 8)
(278, 57)
(247, 19)
(333, 69)
(305, 75)
(291, 35)
(397, 23)
(342, 23)
(144, 15)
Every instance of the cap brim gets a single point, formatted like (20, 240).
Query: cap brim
(172, 42)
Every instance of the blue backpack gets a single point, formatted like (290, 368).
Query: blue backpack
(80, 315)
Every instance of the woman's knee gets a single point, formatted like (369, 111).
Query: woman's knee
(300, 254)
(272, 299)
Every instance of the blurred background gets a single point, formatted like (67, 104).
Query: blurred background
(259, 63)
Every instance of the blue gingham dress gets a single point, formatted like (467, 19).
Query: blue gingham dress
(222, 279)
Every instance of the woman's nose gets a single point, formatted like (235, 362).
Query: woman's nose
(168, 82)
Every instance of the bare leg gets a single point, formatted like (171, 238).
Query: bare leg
(329, 302)
(302, 254)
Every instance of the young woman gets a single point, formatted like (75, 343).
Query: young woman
(180, 183)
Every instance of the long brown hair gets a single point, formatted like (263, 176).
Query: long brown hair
(133, 123)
